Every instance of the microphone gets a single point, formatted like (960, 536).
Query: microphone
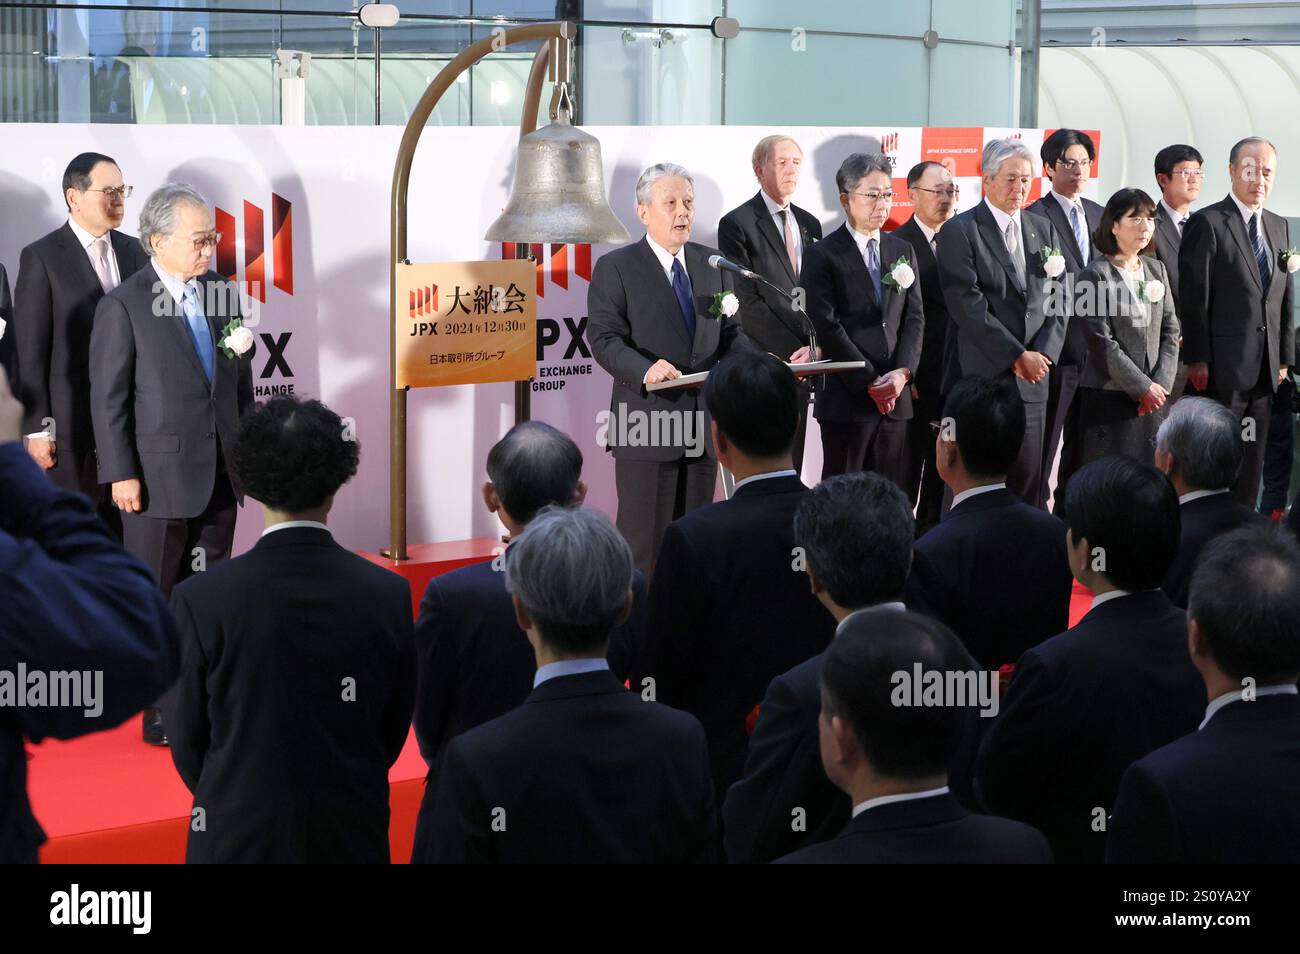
(722, 264)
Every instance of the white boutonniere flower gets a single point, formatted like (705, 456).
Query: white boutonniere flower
(1151, 292)
(900, 275)
(1291, 260)
(1053, 261)
(235, 339)
(725, 304)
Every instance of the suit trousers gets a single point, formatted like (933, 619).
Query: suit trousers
(801, 430)
(878, 444)
(924, 486)
(1254, 405)
(654, 493)
(167, 545)
(1062, 431)
(1024, 479)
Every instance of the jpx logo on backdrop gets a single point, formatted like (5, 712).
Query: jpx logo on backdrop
(556, 265)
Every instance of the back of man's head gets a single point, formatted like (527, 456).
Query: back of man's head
(534, 466)
(754, 400)
(1203, 438)
(856, 532)
(1128, 513)
(571, 571)
(293, 455)
(1245, 600)
(986, 417)
(872, 655)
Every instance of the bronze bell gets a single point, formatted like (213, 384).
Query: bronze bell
(559, 191)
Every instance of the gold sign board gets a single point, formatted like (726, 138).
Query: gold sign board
(465, 323)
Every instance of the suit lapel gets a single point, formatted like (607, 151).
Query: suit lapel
(1056, 215)
(767, 228)
(1167, 231)
(1034, 240)
(696, 267)
(662, 289)
(180, 325)
(1276, 244)
(997, 245)
(855, 265)
(1238, 229)
(79, 261)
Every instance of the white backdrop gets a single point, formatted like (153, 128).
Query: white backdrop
(337, 181)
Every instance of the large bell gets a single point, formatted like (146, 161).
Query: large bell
(559, 191)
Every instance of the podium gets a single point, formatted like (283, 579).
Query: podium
(801, 371)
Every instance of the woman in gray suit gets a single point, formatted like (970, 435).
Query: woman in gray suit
(1128, 315)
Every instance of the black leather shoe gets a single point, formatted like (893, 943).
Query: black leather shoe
(153, 727)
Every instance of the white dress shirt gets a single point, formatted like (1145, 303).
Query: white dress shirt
(770, 474)
(871, 803)
(175, 286)
(568, 667)
(1198, 494)
(928, 232)
(1003, 220)
(1174, 215)
(1107, 597)
(862, 238)
(290, 524)
(86, 240)
(1281, 689)
(666, 257)
(1247, 213)
(778, 213)
(1076, 203)
(975, 492)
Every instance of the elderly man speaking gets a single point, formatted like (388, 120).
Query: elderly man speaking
(658, 312)
(169, 377)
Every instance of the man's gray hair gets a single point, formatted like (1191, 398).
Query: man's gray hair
(660, 170)
(158, 217)
(860, 165)
(571, 570)
(1204, 438)
(998, 151)
(1247, 142)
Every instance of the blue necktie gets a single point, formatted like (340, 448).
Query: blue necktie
(199, 330)
(1080, 236)
(682, 289)
(1261, 253)
(873, 265)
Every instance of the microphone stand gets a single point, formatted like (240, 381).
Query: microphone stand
(798, 309)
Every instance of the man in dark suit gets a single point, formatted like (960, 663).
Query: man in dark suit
(995, 568)
(769, 235)
(934, 202)
(1086, 703)
(658, 312)
(474, 662)
(1198, 447)
(583, 771)
(71, 601)
(1068, 155)
(855, 534)
(168, 382)
(1236, 298)
(1008, 317)
(298, 673)
(891, 757)
(729, 605)
(1179, 176)
(61, 279)
(8, 354)
(865, 302)
(1228, 793)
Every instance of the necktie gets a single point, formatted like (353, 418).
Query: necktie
(199, 330)
(790, 247)
(1261, 253)
(1013, 246)
(99, 259)
(1080, 234)
(682, 289)
(873, 264)
(1181, 223)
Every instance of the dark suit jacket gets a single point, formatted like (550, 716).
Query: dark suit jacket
(749, 236)
(294, 701)
(1081, 707)
(934, 830)
(729, 611)
(71, 599)
(1075, 350)
(475, 663)
(1167, 243)
(156, 416)
(929, 370)
(1228, 794)
(995, 571)
(1229, 319)
(783, 772)
(56, 298)
(853, 325)
(583, 771)
(635, 320)
(1202, 520)
(8, 353)
(992, 319)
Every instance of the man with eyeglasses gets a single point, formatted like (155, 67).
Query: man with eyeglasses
(864, 310)
(1068, 155)
(992, 268)
(167, 391)
(1236, 296)
(61, 278)
(934, 202)
(1179, 176)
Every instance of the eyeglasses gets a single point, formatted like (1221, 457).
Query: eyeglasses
(875, 196)
(112, 194)
(1074, 165)
(949, 192)
(1190, 175)
(209, 238)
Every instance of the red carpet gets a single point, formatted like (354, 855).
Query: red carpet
(1080, 598)
(108, 797)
